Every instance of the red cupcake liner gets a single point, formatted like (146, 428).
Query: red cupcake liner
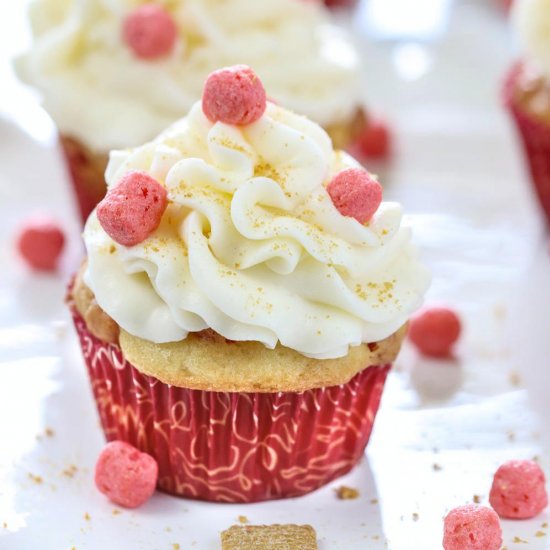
(341, 4)
(87, 173)
(535, 137)
(233, 447)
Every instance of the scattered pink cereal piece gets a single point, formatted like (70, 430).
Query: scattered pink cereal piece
(472, 527)
(519, 490)
(150, 31)
(40, 243)
(125, 475)
(234, 95)
(434, 331)
(132, 209)
(355, 193)
(375, 140)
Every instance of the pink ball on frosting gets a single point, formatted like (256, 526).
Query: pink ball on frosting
(132, 209)
(125, 475)
(234, 95)
(519, 490)
(150, 31)
(472, 527)
(355, 193)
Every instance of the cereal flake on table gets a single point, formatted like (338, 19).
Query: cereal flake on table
(346, 493)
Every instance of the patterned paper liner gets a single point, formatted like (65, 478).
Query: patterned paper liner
(535, 136)
(87, 170)
(233, 447)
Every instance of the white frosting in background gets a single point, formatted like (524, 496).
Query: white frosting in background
(97, 91)
(251, 244)
(532, 20)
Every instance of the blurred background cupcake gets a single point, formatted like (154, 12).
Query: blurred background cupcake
(114, 73)
(527, 91)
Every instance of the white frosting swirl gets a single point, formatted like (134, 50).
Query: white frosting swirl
(251, 244)
(99, 92)
(532, 20)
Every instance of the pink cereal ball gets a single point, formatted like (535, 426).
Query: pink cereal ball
(375, 141)
(472, 527)
(519, 490)
(132, 209)
(355, 193)
(234, 95)
(125, 475)
(434, 331)
(40, 243)
(150, 31)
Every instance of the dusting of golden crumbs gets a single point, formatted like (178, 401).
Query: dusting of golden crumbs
(35, 479)
(70, 471)
(228, 144)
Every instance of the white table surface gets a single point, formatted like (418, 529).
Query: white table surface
(443, 427)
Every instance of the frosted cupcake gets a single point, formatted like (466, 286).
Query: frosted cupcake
(115, 73)
(244, 295)
(527, 92)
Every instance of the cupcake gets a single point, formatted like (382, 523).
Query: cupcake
(527, 92)
(244, 295)
(115, 73)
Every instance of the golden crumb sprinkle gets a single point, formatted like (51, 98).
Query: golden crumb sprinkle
(269, 537)
(175, 546)
(514, 378)
(87, 516)
(49, 432)
(518, 540)
(243, 519)
(70, 471)
(347, 493)
(477, 499)
(228, 144)
(35, 479)
(540, 534)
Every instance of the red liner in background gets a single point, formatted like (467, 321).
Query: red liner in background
(87, 173)
(233, 447)
(535, 136)
(341, 4)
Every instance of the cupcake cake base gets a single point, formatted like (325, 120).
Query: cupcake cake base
(233, 447)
